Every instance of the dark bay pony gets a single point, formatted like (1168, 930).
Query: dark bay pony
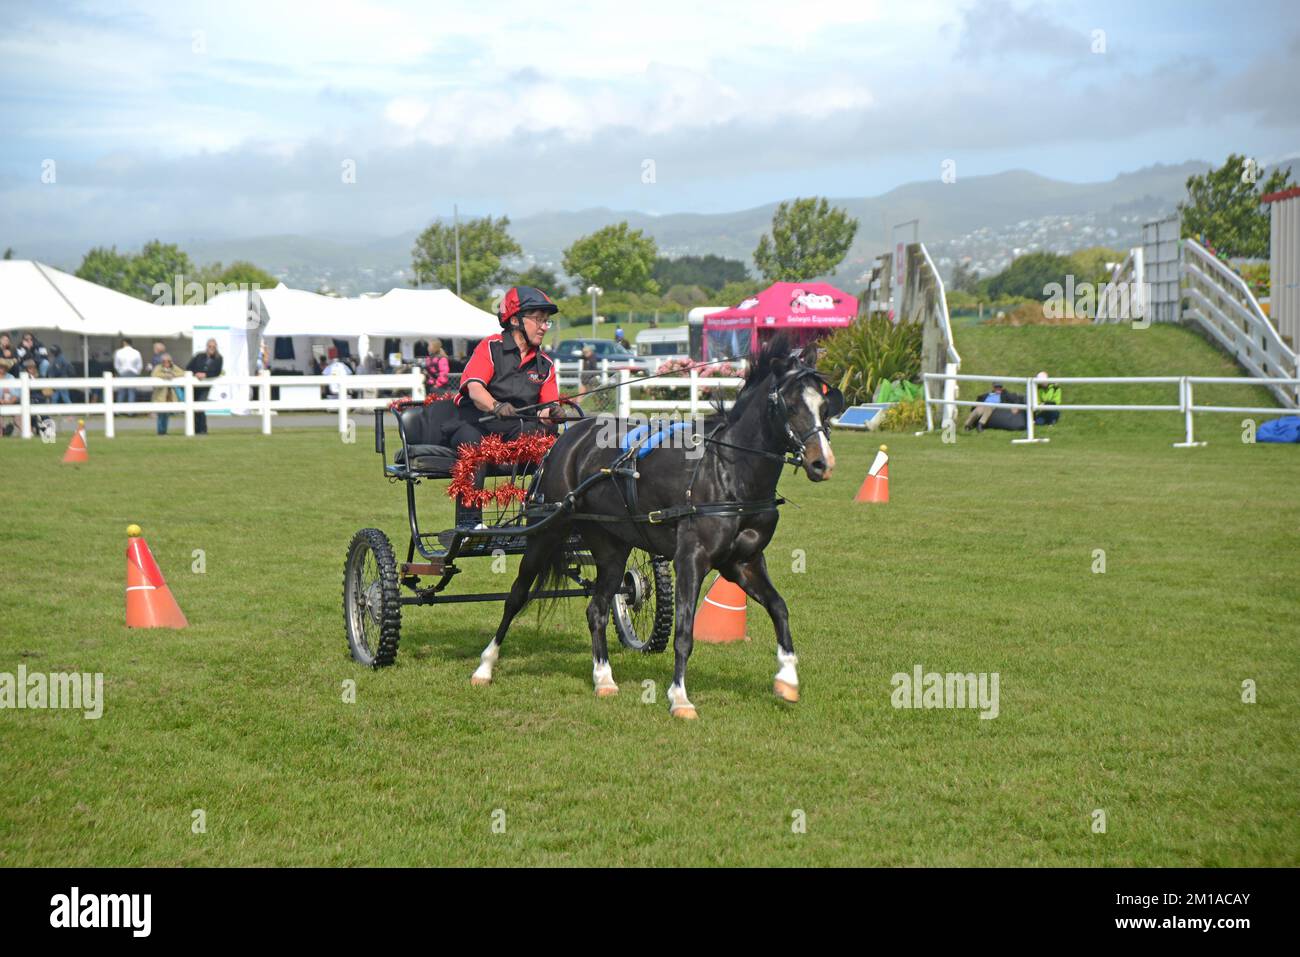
(780, 412)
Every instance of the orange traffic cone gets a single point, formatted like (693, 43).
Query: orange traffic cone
(875, 487)
(77, 447)
(721, 617)
(149, 602)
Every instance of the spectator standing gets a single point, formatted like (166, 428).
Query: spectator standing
(128, 362)
(437, 368)
(8, 357)
(8, 396)
(205, 365)
(166, 370)
(40, 421)
(58, 367)
(159, 350)
(336, 367)
(29, 347)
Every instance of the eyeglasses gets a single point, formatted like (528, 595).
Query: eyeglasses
(544, 321)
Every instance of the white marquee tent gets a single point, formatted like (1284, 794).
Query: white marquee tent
(36, 297)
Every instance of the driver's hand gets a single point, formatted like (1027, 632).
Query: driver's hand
(503, 410)
(547, 413)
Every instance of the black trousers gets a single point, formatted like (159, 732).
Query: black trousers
(466, 429)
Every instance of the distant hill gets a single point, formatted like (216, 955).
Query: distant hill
(984, 217)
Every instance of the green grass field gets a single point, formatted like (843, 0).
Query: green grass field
(1119, 691)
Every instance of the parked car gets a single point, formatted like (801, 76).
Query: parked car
(570, 350)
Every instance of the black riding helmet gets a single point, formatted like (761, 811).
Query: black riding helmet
(521, 299)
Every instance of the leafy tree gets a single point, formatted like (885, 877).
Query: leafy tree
(808, 239)
(964, 279)
(688, 296)
(736, 292)
(615, 258)
(9, 253)
(1224, 207)
(541, 277)
(242, 272)
(711, 272)
(483, 244)
(1089, 265)
(107, 267)
(1027, 276)
(159, 263)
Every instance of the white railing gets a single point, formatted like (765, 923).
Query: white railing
(1223, 304)
(1124, 297)
(571, 378)
(1186, 402)
(258, 404)
(925, 301)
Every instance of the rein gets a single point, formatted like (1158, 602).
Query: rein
(622, 468)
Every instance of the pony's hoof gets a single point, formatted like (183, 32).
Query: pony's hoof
(479, 682)
(606, 691)
(686, 712)
(786, 692)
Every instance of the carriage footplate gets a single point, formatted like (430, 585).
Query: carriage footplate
(469, 542)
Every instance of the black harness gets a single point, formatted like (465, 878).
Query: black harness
(623, 469)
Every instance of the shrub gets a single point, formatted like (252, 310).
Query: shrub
(860, 356)
(904, 417)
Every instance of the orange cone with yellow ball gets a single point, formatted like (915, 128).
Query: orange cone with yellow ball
(149, 602)
(77, 447)
(875, 487)
(721, 617)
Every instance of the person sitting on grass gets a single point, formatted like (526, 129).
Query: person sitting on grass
(979, 416)
(1049, 393)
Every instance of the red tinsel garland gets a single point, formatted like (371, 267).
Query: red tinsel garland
(405, 402)
(528, 448)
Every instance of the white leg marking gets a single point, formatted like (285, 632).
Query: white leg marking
(487, 661)
(602, 676)
(677, 700)
(787, 672)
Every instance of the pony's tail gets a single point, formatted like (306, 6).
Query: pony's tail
(553, 575)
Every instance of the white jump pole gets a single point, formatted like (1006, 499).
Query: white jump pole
(1185, 396)
(25, 404)
(264, 397)
(110, 432)
(1031, 389)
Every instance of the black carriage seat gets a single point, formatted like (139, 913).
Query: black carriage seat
(423, 426)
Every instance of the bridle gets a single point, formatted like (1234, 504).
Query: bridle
(793, 453)
(795, 443)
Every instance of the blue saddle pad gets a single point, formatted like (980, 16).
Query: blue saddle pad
(660, 436)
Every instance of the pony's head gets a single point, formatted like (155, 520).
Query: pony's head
(798, 401)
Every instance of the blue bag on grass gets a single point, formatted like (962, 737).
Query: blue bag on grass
(1279, 430)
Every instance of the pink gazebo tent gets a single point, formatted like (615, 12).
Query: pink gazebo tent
(803, 310)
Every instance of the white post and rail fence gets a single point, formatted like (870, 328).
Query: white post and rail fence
(355, 393)
(1185, 403)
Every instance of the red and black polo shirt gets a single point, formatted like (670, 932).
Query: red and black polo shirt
(520, 379)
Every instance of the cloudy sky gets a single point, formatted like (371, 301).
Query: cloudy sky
(189, 118)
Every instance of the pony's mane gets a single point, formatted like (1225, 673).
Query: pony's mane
(760, 368)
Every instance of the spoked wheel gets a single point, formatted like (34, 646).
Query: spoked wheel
(372, 612)
(643, 607)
